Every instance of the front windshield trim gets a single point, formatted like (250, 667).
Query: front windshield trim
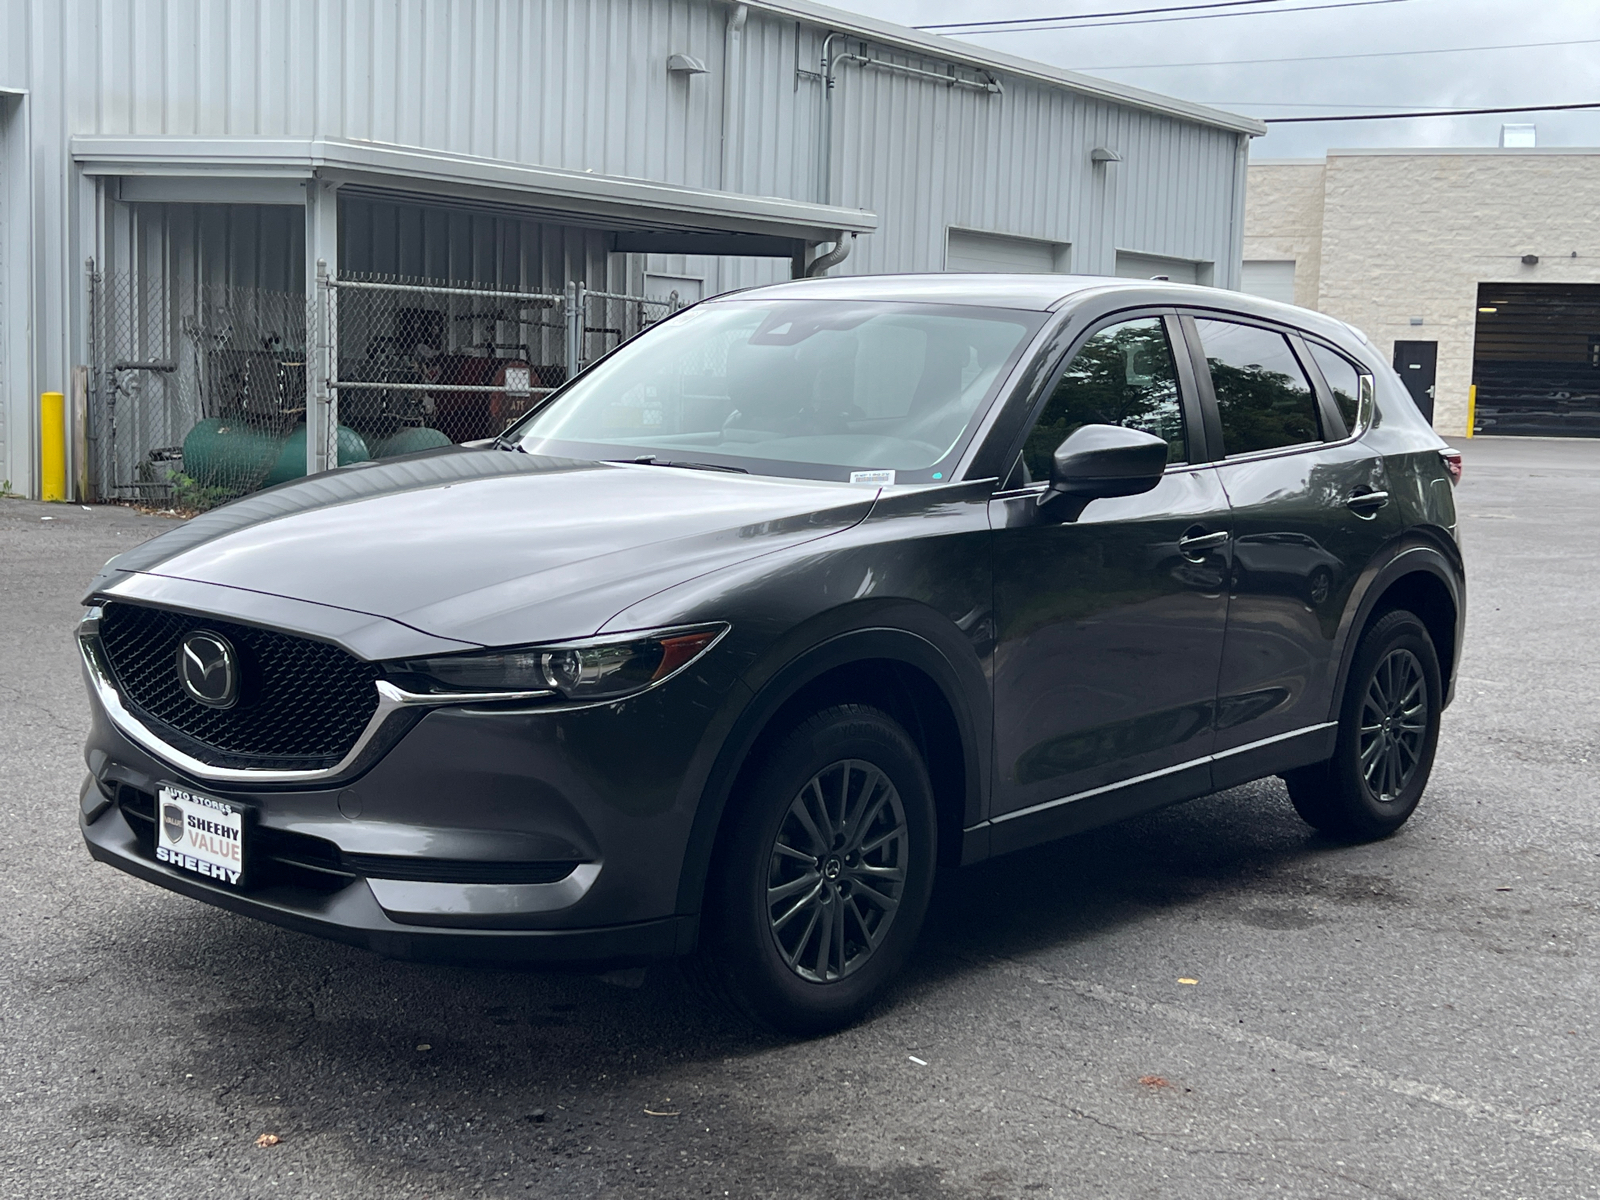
(868, 432)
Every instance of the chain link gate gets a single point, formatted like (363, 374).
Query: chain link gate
(419, 363)
(199, 394)
(195, 391)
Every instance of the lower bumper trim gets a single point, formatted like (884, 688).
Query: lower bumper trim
(353, 916)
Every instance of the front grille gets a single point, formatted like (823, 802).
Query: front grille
(277, 856)
(302, 703)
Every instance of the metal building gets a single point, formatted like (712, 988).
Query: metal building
(225, 224)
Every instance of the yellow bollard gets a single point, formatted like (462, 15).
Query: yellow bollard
(1472, 408)
(52, 446)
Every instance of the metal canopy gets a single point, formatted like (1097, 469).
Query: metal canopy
(228, 169)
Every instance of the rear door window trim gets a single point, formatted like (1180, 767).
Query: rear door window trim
(1208, 399)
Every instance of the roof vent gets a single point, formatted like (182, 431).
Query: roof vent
(1518, 137)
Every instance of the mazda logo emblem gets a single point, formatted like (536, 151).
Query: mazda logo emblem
(208, 668)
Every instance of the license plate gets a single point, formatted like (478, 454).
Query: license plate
(200, 834)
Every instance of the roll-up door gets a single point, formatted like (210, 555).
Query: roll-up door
(1149, 266)
(1536, 359)
(968, 250)
(1271, 279)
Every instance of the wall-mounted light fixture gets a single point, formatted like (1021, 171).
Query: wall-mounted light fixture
(1530, 260)
(1101, 154)
(685, 64)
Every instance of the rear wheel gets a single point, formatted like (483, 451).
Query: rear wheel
(1388, 731)
(822, 880)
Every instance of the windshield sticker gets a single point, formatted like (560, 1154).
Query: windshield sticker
(877, 478)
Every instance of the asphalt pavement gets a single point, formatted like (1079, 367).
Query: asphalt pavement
(1210, 1001)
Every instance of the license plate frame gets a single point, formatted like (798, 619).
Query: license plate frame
(202, 835)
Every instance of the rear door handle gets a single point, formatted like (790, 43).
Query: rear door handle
(1196, 545)
(1367, 502)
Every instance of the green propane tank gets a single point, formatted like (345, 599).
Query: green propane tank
(291, 461)
(222, 452)
(410, 440)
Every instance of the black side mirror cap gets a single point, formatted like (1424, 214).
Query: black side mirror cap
(1106, 460)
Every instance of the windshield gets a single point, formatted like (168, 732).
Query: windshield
(819, 389)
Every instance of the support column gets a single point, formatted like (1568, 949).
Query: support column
(322, 261)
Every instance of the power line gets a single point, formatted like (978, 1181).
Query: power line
(1126, 12)
(1019, 25)
(1243, 62)
(1300, 104)
(1451, 112)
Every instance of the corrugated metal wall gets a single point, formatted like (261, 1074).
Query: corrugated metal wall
(580, 84)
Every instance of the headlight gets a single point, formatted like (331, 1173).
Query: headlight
(590, 670)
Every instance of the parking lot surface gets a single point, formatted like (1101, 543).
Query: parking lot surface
(1413, 1018)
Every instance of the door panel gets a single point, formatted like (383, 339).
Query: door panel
(1298, 550)
(1108, 633)
(1417, 364)
(1109, 638)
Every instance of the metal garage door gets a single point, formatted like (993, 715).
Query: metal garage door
(1150, 266)
(1270, 279)
(968, 250)
(1536, 359)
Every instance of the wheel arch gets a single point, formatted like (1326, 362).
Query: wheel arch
(899, 669)
(1419, 577)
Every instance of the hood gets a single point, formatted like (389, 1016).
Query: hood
(489, 546)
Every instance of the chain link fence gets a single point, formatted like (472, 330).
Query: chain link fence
(611, 318)
(199, 393)
(194, 392)
(421, 363)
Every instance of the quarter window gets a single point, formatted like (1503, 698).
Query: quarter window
(1263, 396)
(1123, 375)
(1344, 381)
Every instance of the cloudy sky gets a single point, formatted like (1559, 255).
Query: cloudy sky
(1563, 69)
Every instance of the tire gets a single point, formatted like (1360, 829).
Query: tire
(1388, 732)
(778, 899)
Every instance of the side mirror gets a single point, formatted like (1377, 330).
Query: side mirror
(1106, 460)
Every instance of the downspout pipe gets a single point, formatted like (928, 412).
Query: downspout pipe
(825, 167)
(840, 252)
(732, 93)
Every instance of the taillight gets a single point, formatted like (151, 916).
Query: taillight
(1452, 463)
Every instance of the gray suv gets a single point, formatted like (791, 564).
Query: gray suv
(801, 595)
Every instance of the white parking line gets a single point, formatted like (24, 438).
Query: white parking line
(1335, 1064)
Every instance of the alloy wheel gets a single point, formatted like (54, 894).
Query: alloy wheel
(1394, 724)
(837, 870)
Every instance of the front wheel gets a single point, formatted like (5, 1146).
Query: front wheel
(1388, 731)
(822, 880)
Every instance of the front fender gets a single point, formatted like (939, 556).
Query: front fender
(903, 632)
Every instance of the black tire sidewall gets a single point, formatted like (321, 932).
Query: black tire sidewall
(1363, 813)
(739, 939)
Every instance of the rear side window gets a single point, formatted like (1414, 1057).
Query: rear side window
(1262, 393)
(1344, 380)
(1123, 375)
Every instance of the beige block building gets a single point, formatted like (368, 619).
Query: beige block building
(1471, 266)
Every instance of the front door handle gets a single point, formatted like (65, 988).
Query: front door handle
(1366, 503)
(1195, 545)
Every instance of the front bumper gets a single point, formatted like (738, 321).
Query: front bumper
(435, 850)
(353, 915)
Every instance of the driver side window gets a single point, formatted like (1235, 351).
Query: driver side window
(1123, 375)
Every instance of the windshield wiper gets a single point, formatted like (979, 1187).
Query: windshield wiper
(650, 460)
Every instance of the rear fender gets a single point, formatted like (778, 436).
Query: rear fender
(1413, 554)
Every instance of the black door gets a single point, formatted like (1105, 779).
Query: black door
(1417, 363)
(1109, 626)
(1310, 510)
